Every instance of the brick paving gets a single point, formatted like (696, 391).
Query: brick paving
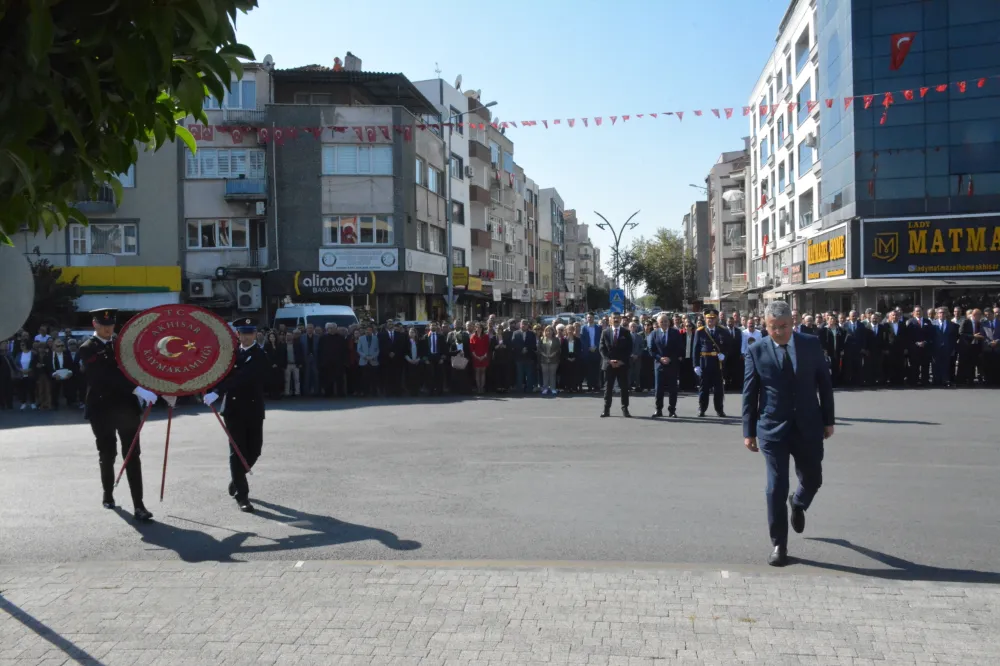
(176, 613)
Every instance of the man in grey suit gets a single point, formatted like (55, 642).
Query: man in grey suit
(788, 406)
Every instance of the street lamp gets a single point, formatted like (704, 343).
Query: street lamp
(698, 187)
(448, 208)
(607, 226)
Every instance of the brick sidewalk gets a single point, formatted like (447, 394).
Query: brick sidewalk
(324, 613)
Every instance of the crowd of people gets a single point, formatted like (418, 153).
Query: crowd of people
(867, 349)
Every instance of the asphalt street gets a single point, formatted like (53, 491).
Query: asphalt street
(910, 487)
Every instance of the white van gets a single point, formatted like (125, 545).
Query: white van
(300, 314)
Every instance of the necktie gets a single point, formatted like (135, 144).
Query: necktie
(434, 344)
(787, 370)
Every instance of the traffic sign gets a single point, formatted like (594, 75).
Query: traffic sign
(618, 300)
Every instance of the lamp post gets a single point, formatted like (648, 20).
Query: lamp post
(607, 226)
(452, 120)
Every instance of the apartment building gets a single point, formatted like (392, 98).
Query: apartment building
(727, 229)
(533, 245)
(128, 256)
(552, 227)
(361, 223)
(696, 247)
(579, 252)
(481, 172)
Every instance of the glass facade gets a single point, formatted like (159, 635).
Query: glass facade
(922, 159)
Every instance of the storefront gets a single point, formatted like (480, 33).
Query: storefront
(129, 289)
(828, 268)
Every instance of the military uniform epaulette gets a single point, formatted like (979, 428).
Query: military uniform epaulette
(701, 328)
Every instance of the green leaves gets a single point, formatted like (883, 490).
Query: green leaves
(82, 83)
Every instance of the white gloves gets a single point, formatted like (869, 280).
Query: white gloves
(722, 357)
(170, 400)
(210, 398)
(697, 370)
(145, 397)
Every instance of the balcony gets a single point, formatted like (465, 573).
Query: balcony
(770, 160)
(740, 175)
(481, 239)
(814, 53)
(205, 262)
(789, 140)
(478, 194)
(772, 202)
(479, 151)
(529, 209)
(248, 258)
(739, 243)
(737, 209)
(246, 189)
(786, 92)
(101, 202)
(790, 188)
(817, 168)
(479, 110)
(245, 116)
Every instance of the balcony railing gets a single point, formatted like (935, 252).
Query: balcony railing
(246, 188)
(98, 203)
(249, 116)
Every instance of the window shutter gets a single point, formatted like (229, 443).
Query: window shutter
(191, 164)
(329, 159)
(223, 160)
(347, 160)
(364, 159)
(382, 160)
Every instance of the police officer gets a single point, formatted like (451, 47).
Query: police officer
(710, 342)
(243, 408)
(113, 406)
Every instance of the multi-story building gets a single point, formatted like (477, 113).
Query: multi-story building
(533, 245)
(727, 229)
(579, 252)
(783, 179)
(361, 218)
(480, 170)
(550, 215)
(506, 261)
(696, 247)
(128, 256)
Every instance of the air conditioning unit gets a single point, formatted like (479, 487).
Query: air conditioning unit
(248, 293)
(261, 208)
(470, 172)
(811, 140)
(199, 289)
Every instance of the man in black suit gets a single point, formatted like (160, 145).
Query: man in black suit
(391, 348)
(524, 347)
(734, 367)
(895, 341)
(945, 340)
(616, 350)
(243, 408)
(437, 359)
(918, 337)
(666, 346)
(876, 364)
(972, 342)
(333, 362)
(783, 417)
(832, 341)
(855, 350)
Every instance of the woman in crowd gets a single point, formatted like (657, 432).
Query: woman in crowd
(354, 383)
(43, 383)
(549, 352)
(26, 362)
(479, 344)
(572, 373)
(273, 352)
(414, 358)
(500, 367)
(646, 379)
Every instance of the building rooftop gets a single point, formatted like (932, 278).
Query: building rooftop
(388, 88)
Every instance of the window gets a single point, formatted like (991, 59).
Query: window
(805, 157)
(788, 66)
(104, 238)
(495, 229)
(127, 179)
(420, 172)
(762, 107)
(781, 177)
(437, 242)
(496, 265)
(357, 230)
(508, 268)
(781, 79)
(435, 181)
(731, 267)
(508, 162)
(781, 129)
(315, 99)
(802, 51)
(494, 153)
(457, 212)
(457, 167)
(763, 151)
(457, 256)
(802, 98)
(456, 117)
(241, 95)
(225, 163)
(350, 160)
(217, 234)
(732, 231)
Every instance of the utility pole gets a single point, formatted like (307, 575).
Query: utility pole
(618, 238)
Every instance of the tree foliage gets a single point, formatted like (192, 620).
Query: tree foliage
(82, 82)
(659, 263)
(55, 301)
(597, 297)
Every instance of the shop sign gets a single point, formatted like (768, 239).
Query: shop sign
(827, 254)
(524, 295)
(942, 246)
(797, 273)
(428, 283)
(460, 276)
(761, 279)
(485, 275)
(475, 284)
(821, 252)
(425, 262)
(838, 272)
(815, 275)
(358, 259)
(315, 283)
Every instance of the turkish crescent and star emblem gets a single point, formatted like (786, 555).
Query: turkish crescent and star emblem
(176, 349)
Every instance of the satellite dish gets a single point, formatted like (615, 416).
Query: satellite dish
(268, 62)
(17, 290)
(458, 82)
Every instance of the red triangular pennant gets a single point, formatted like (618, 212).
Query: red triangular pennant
(653, 114)
(385, 131)
(557, 121)
(847, 102)
(908, 95)
(680, 115)
(829, 102)
(882, 120)
(868, 101)
(624, 118)
(923, 90)
(360, 131)
(961, 86)
(572, 122)
(613, 119)
(639, 115)
(715, 112)
(729, 113)
(810, 105)
(981, 83)
(941, 88)
(791, 107)
(545, 123)
(585, 124)
(746, 110)
(888, 100)
(597, 121)
(697, 112)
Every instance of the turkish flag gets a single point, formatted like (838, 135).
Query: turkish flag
(195, 132)
(237, 135)
(901, 43)
(208, 132)
(370, 133)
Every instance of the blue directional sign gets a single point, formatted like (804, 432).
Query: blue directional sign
(618, 300)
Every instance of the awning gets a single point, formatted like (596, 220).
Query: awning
(886, 283)
(133, 302)
(474, 295)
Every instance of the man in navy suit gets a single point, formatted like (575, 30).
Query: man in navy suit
(784, 374)
(616, 352)
(944, 342)
(590, 338)
(666, 346)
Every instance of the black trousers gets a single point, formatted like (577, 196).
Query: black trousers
(369, 379)
(711, 384)
(248, 433)
(414, 378)
(334, 381)
(435, 374)
(808, 467)
(592, 364)
(920, 364)
(109, 426)
(65, 388)
(619, 374)
(666, 382)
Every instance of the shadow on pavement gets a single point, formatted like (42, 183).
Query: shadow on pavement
(847, 421)
(77, 654)
(901, 569)
(319, 531)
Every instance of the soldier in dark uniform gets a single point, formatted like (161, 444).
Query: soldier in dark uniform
(113, 407)
(710, 343)
(243, 408)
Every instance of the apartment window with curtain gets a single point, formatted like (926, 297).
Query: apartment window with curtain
(420, 178)
(225, 163)
(357, 230)
(457, 256)
(781, 177)
(352, 160)
(117, 239)
(241, 95)
(218, 234)
(805, 158)
(802, 99)
(457, 167)
(508, 269)
(435, 181)
(781, 128)
(457, 212)
(763, 151)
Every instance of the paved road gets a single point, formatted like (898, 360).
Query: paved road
(910, 487)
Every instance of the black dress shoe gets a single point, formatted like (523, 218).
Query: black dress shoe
(721, 415)
(142, 514)
(701, 414)
(625, 413)
(778, 557)
(658, 413)
(232, 489)
(672, 414)
(798, 516)
(245, 505)
(605, 414)
(108, 502)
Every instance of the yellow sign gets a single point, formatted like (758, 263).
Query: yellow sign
(836, 273)
(475, 284)
(813, 276)
(975, 239)
(829, 250)
(460, 276)
(886, 246)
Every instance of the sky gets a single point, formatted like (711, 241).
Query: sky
(564, 59)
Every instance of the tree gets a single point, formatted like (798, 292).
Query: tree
(597, 297)
(660, 264)
(54, 300)
(82, 82)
